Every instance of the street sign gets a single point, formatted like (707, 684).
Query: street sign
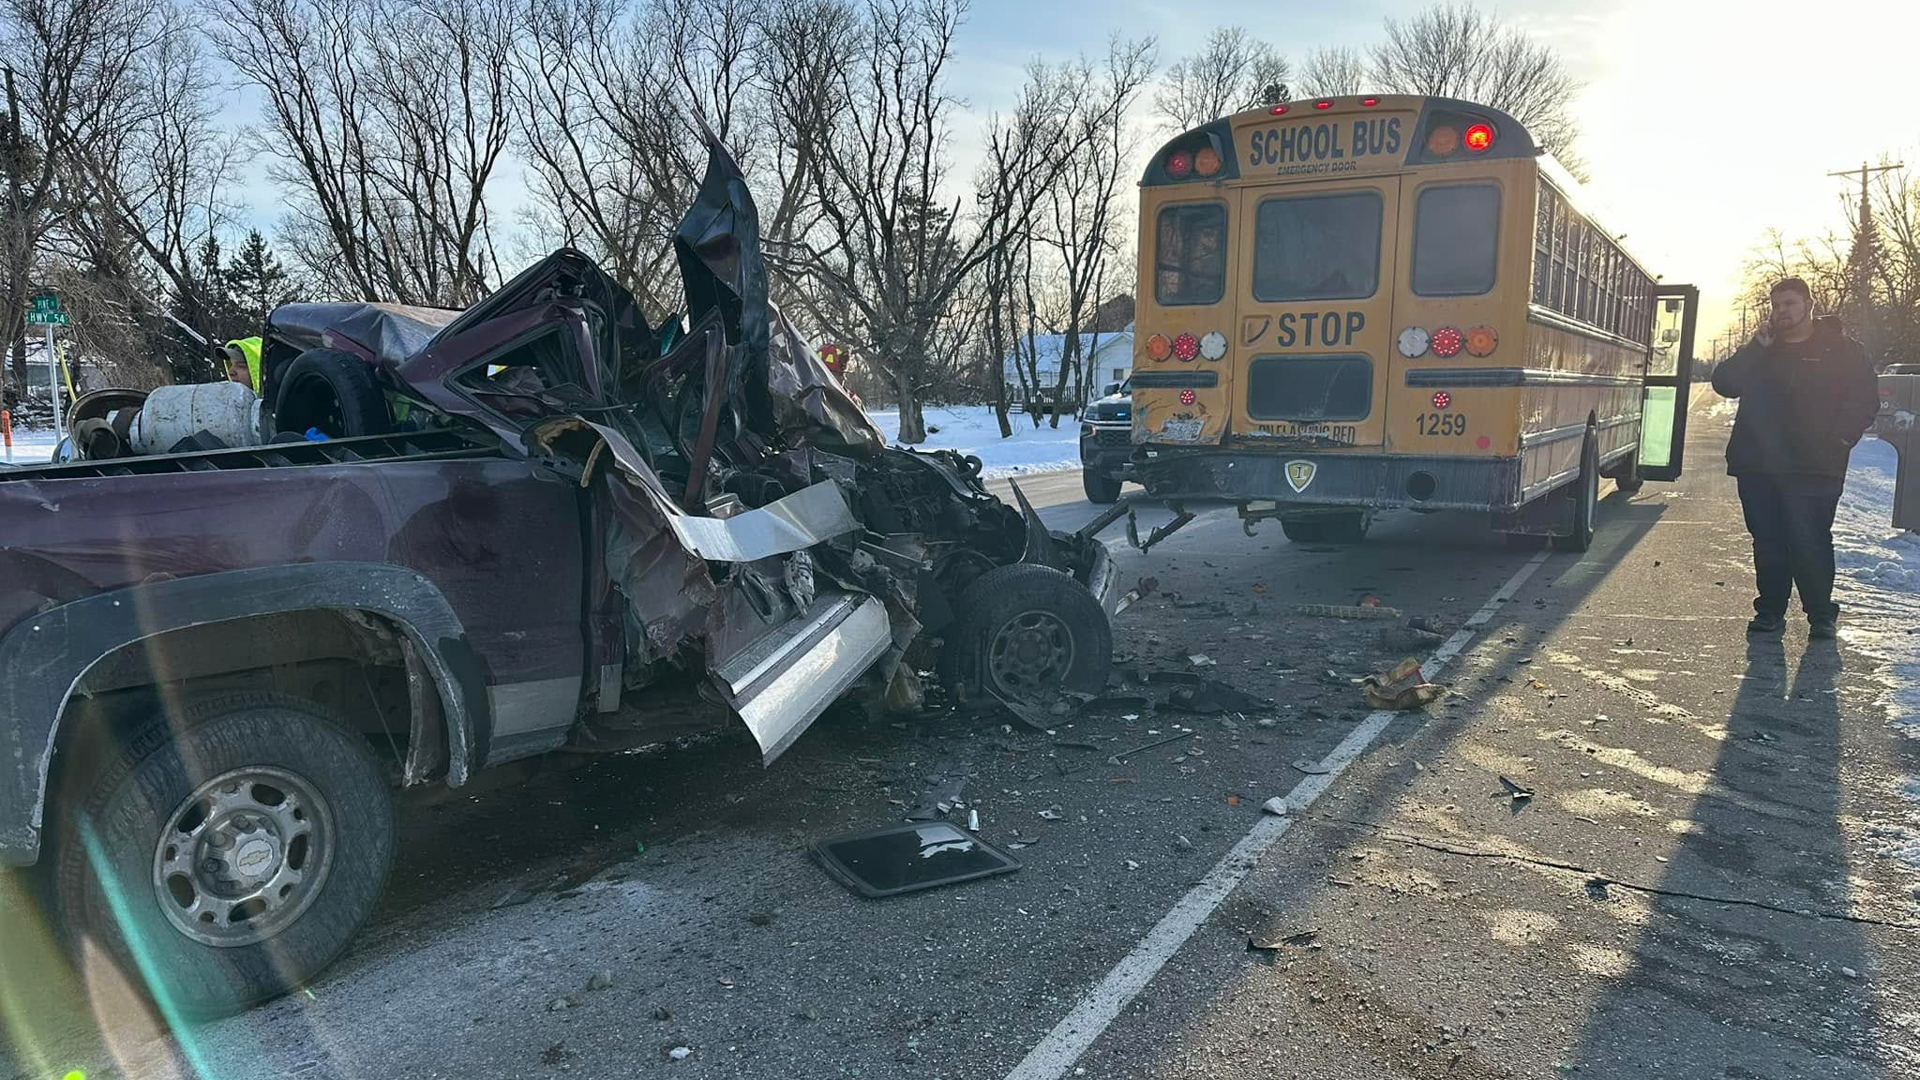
(47, 318)
(44, 305)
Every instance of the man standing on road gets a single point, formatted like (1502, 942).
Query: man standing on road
(1806, 393)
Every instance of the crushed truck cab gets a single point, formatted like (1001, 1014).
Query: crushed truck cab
(535, 523)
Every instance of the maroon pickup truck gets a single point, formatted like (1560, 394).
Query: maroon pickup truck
(539, 522)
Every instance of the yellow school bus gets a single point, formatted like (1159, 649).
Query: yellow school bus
(1362, 303)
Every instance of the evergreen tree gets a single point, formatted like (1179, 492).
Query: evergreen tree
(256, 283)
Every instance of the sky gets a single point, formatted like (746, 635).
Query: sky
(1705, 122)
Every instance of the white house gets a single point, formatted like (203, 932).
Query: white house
(1106, 358)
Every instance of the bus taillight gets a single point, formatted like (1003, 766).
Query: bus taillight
(1447, 341)
(1442, 141)
(1159, 348)
(1479, 138)
(1186, 347)
(1442, 399)
(1179, 164)
(1481, 341)
(1206, 161)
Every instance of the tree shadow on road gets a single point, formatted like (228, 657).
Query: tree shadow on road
(1720, 989)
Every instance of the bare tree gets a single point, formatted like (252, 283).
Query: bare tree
(1231, 72)
(1334, 72)
(1084, 200)
(389, 118)
(1456, 50)
(69, 65)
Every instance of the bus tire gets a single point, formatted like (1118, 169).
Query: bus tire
(1302, 530)
(1585, 493)
(1629, 480)
(1346, 527)
(1101, 489)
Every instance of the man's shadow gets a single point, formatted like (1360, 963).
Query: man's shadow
(1735, 990)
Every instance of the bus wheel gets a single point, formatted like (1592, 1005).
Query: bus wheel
(1346, 527)
(1585, 493)
(1303, 530)
(1629, 480)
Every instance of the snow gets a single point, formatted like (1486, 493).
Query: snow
(30, 447)
(972, 429)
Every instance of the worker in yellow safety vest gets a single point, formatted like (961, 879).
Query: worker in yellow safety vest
(243, 362)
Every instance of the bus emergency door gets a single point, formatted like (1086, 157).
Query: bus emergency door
(1668, 382)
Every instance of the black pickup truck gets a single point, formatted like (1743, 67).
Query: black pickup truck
(538, 522)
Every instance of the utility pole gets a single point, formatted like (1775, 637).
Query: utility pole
(1865, 242)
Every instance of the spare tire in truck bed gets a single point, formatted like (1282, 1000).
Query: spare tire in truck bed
(332, 391)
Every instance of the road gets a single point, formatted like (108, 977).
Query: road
(1705, 880)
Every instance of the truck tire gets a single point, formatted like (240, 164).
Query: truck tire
(1101, 489)
(1345, 527)
(1585, 494)
(226, 856)
(333, 391)
(1029, 632)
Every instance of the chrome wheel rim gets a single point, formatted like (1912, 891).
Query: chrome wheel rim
(244, 856)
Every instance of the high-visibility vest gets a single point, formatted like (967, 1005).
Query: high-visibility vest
(250, 348)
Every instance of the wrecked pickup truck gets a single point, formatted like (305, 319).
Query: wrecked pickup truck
(533, 524)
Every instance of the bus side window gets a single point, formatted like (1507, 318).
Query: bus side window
(1456, 240)
(1190, 254)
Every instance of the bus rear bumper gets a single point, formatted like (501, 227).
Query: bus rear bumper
(1343, 479)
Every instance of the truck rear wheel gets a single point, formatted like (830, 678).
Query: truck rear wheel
(1101, 489)
(1029, 632)
(227, 857)
(1302, 530)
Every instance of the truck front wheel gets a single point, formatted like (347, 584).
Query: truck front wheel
(1101, 489)
(226, 856)
(1029, 633)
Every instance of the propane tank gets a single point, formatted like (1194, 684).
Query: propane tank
(227, 410)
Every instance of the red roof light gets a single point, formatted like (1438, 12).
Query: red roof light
(1369, 102)
(1179, 164)
(1478, 139)
(1323, 104)
(1277, 110)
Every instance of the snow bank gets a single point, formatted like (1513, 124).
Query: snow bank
(1879, 581)
(971, 429)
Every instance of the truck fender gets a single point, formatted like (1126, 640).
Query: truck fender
(46, 655)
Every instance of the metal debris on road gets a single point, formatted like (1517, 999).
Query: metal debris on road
(1121, 758)
(680, 1053)
(1139, 592)
(1304, 937)
(1338, 611)
(1276, 806)
(1181, 843)
(944, 787)
(1514, 791)
(909, 858)
(1201, 660)
(1311, 768)
(1052, 813)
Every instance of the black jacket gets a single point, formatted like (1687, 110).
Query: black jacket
(1802, 406)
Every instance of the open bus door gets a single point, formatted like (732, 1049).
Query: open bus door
(1668, 382)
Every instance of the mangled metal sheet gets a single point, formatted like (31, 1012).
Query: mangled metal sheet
(779, 687)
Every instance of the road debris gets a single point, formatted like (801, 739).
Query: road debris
(1311, 768)
(1052, 813)
(1513, 791)
(600, 980)
(1121, 758)
(680, 1053)
(1143, 589)
(908, 858)
(1276, 806)
(661, 1012)
(944, 788)
(1401, 688)
(1337, 611)
(1201, 660)
(1304, 937)
(1181, 843)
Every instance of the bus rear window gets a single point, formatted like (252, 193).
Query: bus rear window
(1190, 254)
(1456, 233)
(1321, 247)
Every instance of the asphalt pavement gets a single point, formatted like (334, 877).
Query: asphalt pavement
(1628, 843)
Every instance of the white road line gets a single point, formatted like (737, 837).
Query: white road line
(1071, 1037)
